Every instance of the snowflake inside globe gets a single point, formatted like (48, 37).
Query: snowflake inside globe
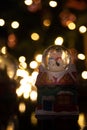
(56, 58)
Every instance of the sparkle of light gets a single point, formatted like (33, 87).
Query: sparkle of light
(28, 2)
(2, 22)
(33, 64)
(81, 121)
(38, 57)
(46, 22)
(33, 95)
(22, 59)
(81, 56)
(58, 41)
(35, 36)
(33, 118)
(52, 3)
(22, 107)
(3, 50)
(82, 29)
(84, 74)
(71, 26)
(15, 24)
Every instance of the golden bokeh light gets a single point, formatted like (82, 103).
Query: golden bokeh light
(81, 121)
(15, 24)
(3, 50)
(53, 3)
(28, 2)
(46, 22)
(81, 56)
(59, 41)
(84, 74)
(33, 95)
(38, 58)
(2, 22)
(71, 25)
(35, 36)
(33, 64)
(82, 29)
(33, 119)
(22, 107)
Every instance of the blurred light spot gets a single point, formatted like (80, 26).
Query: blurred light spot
(19, 92)
(10, 126)
(2, 63)
(84, 74)
(33, 95)
(82, 29)
(27, 79)
(25, 87)
(35, 36)
(31, 80)
(15, 24)
(12, 40)
(26, 95)
(38, 58)
(81, 121)
(34, 74)
(28, 2)
(52, 3)
(33, 119)
(81, 56)
(22, 59)
(71, 25)
(23, 65)
(33, 64)
(59, 41)
(11, 71)
(46, 22)
(22, 73)
(3, 50)
(2, 22)
(22, 107)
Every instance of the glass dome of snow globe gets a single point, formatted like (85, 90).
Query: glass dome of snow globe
(56, 58)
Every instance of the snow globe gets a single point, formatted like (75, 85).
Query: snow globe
(57, 84)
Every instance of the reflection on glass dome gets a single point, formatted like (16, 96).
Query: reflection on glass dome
(56, 58)
(8, 66)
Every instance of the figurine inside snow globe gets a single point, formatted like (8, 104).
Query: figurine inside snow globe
(56, 58)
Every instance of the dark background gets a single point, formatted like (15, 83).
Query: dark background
(32, 21)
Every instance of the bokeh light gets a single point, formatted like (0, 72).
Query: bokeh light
(33, 64)
(15, 24)
(81, 56)
(35, 36)
(38, 58)
(53, 3)
(71, 25)
(2, 22)
(84, 74)
(82, 29)
(34, 120)
(22, 107)
(33, 95)
(81, 120)
(28, 2)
